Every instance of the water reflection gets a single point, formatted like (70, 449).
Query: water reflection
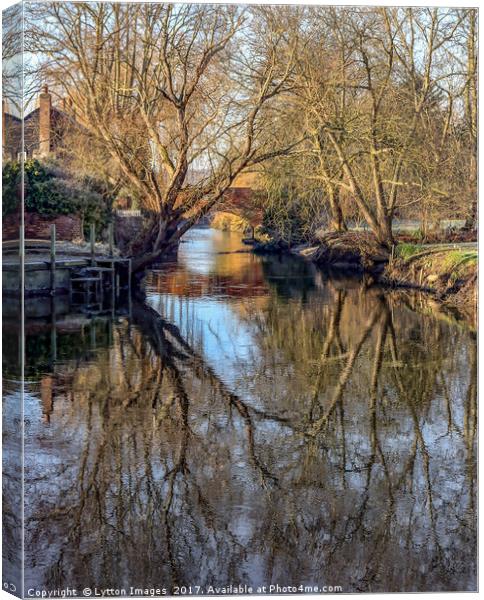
(254, 422)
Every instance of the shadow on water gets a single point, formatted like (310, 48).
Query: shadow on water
(253, 422)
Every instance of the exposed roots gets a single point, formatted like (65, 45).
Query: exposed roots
(352, 249)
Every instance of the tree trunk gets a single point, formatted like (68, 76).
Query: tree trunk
(471, 220)
(159, 241)
(337, 222)
(383, 232)
(379, 223)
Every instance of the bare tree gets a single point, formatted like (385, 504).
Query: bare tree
(175, 95)
(384, 96)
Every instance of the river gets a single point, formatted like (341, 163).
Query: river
(254, 422)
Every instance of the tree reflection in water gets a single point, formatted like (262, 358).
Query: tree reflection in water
(341, 451)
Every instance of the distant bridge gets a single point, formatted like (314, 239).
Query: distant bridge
(241, 199)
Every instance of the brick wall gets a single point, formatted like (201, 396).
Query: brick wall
(68, 227)
(241, 201)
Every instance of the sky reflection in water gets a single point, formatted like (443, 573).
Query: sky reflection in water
(255, 422)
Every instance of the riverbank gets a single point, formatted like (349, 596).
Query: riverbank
(351, 251)
(446, 271)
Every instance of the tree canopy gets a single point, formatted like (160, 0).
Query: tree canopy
(357, 114)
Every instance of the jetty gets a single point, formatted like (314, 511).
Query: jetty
(86, 272)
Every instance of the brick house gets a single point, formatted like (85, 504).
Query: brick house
(44, 130)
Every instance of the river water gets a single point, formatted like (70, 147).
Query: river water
(254, 422)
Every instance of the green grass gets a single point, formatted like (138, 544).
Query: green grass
(458, 258)
(405, 251)
(448, 259)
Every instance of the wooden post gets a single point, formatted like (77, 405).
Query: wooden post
(113, 288)
(52, 259)
(92, 239)
(101, 291)
(111, 239)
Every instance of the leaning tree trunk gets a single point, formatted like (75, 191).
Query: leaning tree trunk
(157, 241)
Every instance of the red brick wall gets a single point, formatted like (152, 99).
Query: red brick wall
(239, 201)
(68, 227)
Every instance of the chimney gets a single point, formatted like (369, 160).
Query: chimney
(45, 106)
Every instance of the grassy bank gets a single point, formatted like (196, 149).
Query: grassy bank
(450, 273)
(447, 271)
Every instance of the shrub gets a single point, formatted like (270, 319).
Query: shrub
(10, 187)
(51, 190)
(285, 221)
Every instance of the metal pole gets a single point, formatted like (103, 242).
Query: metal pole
(21, 285)
(21, 258)
(52, 259)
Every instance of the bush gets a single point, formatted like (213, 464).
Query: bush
(51, 190)
(284, 221)
(10, 187)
